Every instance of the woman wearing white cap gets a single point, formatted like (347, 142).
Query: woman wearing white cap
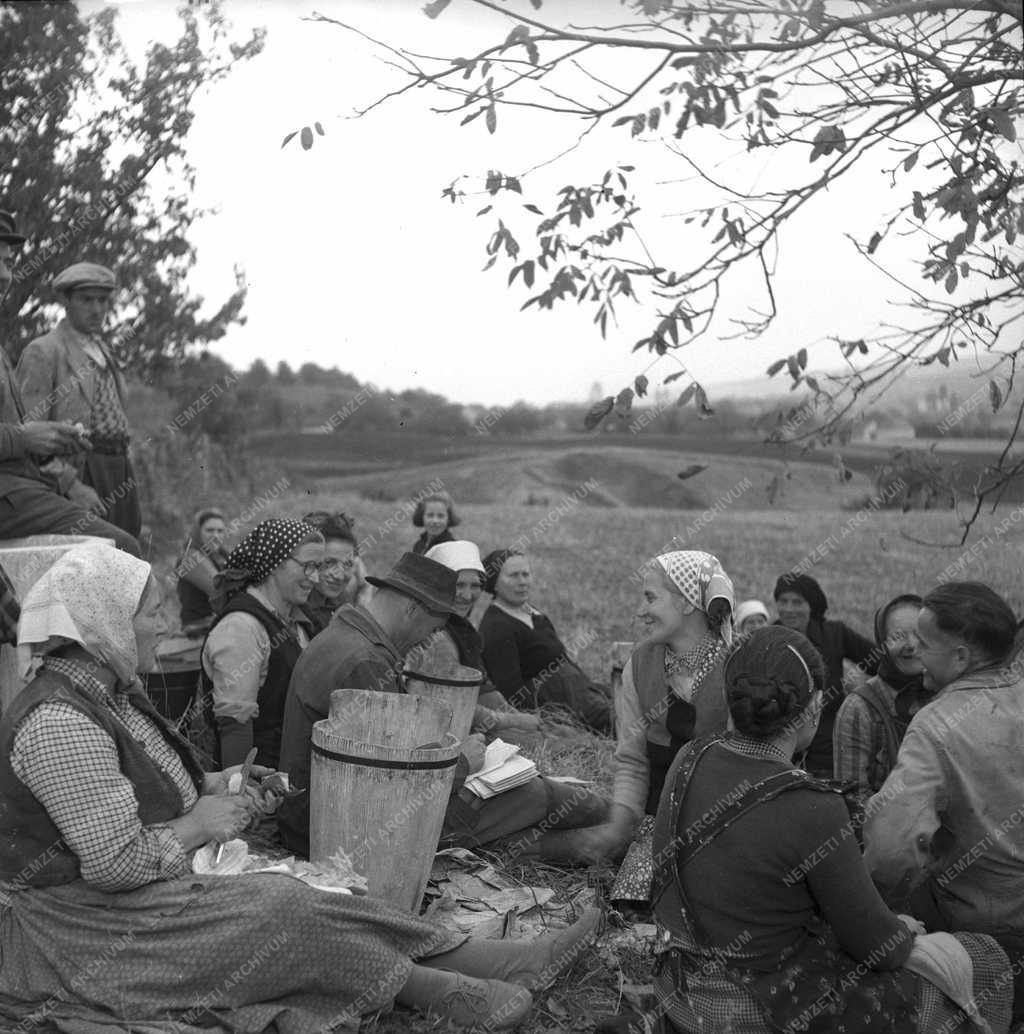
(750, 614)
(522, 817)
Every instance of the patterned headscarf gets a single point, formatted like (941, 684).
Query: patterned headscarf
(89, 597)
(258, 555)
(700, 578)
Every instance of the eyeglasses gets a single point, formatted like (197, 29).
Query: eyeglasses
(310, 568)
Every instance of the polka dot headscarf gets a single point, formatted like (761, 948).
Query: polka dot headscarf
(261, 552)
(698, 576)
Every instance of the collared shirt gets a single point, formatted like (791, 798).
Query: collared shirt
(952, 810)
(236, 656)
(71, 766)
(859, 741)
(13, 457)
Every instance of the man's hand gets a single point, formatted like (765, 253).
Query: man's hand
(474, 747)
(50, 438)
(86, 497)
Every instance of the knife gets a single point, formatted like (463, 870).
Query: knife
(246, 769)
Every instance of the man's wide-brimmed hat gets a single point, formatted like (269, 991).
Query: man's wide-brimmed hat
(426, 581)
(82, 275)
(9, 230)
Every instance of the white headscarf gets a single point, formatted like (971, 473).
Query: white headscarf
(89, 597)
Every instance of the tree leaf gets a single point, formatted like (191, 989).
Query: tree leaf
(775, 367)
(704, 407)
(1000, 118)
(597, 412)
(624, 403)
(640, 384)
(876, 239)
(691, 471)
(435, 7)
(306, 138)
(910, 161)
(951, 281)
(687, 394)
(292, 134)
(995, 394)
(492, 119)
(673, 376)
(319, 128)
(801, 358)
(918, 206)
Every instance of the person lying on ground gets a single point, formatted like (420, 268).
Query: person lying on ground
(202, 558)
(873, 718)
(525, 658)
(802, 606)
(945, 834)
(104, 806)
(254, 643)
(767, 917)
(343, 577)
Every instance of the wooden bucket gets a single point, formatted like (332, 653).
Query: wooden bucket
(452, 684)
(382, 770)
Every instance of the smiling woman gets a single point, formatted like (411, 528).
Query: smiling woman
(873, 719)
(253, 645)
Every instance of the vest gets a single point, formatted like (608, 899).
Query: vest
(32, 851)
(670, 727)
(882, 763)
(284, 652)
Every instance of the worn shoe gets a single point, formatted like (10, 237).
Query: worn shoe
(555, 953)
(490, 1004)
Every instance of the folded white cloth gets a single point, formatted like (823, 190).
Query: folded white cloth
(942, 960)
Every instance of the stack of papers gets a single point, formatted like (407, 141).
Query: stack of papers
(504, 769)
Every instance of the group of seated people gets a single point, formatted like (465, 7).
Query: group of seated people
(819, 855)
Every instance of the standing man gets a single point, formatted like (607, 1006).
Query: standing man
(70, 374)
(34, 501)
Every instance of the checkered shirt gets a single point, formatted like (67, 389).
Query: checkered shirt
(71, 767)
(107, 418)
(10, 610)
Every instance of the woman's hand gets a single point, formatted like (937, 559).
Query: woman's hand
(222, 817)
(218, 817)
(915, 926)
(217, 782)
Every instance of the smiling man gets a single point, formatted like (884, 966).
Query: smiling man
(40, 492)
(945, 834)
(71, 375)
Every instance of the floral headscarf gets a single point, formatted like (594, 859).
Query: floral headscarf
(700, 578)
(258, 555)
(89, 597)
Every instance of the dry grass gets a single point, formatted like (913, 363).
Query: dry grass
(584, 563)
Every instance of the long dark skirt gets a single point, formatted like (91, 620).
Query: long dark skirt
(236, 952)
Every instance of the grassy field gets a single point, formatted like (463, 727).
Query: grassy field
(585, 559)
(586, 548)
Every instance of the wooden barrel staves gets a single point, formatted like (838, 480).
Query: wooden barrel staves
(382, 770)
(452, 684)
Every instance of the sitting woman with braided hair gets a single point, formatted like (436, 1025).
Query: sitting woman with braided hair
(767, 916)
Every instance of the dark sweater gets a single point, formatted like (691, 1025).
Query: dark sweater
(516, 654)
(423, 543)
(764, 877)
(835, 641)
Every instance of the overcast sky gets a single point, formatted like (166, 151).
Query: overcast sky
(353, 259)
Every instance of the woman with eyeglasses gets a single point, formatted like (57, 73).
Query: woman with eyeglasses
(259, 632)
(343, 578)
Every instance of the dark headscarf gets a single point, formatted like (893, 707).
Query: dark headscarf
(493, 563)
(807, 588)
(194, 541)
(258, 555)
(887, 668)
